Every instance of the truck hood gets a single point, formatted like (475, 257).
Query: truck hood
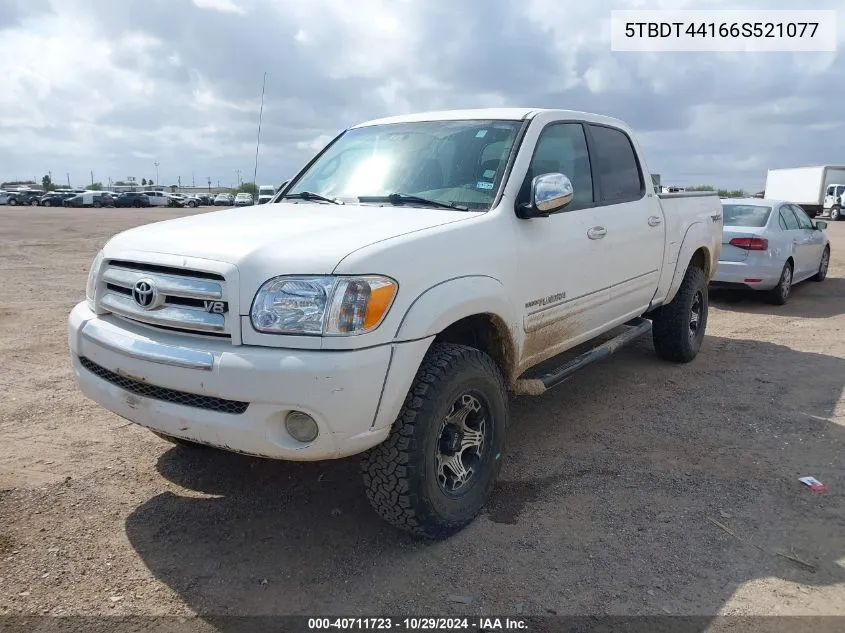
(281, 238)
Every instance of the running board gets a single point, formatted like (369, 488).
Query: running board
(539, 385)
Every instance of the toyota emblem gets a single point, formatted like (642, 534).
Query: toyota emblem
(144, 294)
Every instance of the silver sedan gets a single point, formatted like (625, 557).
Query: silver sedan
(770, 245)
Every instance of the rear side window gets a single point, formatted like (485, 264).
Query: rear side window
(788, 218)
(615, 165)
(745, 215)
(803, 219)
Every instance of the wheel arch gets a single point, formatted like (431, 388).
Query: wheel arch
(472, 311)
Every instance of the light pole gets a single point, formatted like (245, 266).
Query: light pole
(156, 164)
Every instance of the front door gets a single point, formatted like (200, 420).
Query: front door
(564, 285)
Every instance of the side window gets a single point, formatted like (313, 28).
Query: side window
(782, 222)
(829, 191)
(789, 218)
(840, 190)
(562, 148)
(615, 165)
(803, 220)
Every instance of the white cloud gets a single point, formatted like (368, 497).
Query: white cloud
(115, 85)
(224, 6)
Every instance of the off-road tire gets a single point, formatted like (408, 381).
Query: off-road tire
(835, 214)
(672, 323)
(400, 474)
(780, 294)
(824, 264)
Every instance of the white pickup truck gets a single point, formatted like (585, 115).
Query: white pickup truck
(395, 291)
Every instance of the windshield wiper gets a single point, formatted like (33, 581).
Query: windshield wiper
(402, 198)
(310, 195)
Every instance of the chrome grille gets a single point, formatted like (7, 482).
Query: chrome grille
(180, 300)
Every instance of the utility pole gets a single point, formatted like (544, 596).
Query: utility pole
(92, 177)
(193, 181)
(68, 180)
(238, 171)
(156, 164)
(209, 185)
(179, 180)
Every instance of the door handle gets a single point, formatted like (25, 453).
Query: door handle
(654, 220)
(596, 232)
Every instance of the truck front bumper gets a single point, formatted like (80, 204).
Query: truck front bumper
(237, 397)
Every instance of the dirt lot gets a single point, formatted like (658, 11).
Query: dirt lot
(610, 492)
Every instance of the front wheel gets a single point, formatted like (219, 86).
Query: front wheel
(835, 213)
(437, 468)
(678, 327)
(13, 203)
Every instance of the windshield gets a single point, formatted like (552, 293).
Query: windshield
(453, 162)
(266, 191)
(745, 215)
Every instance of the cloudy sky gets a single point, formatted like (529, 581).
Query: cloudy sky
(112, 86)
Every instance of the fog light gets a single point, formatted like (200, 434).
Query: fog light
(301, 426)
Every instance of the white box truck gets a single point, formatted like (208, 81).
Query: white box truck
(818, 190)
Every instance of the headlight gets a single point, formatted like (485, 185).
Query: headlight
(333, 306)
(91, 285)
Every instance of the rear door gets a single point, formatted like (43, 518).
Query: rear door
(794, 239)
(628, 220)
(812, 242)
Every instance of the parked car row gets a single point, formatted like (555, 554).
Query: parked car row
(137, 199)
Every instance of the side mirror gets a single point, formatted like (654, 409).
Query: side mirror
(821, 226)
(549, 193)
(282, 186)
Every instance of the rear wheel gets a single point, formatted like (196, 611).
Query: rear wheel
(13, 202)
(678, 327)
(780, 294)
(97, 205)
(436, 470)
(835, 213)
(824, 263)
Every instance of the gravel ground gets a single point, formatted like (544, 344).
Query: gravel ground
(639, 487)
